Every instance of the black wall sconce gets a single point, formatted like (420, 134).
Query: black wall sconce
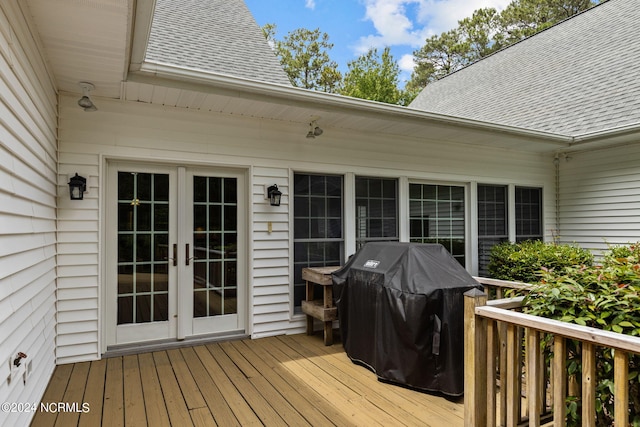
(77, 187)
(274, 195)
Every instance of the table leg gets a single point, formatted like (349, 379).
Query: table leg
(328, 333)
(309, 297)
(328, 326)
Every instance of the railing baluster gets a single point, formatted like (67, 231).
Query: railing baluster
(621, 385)
(559, 382)
(533, 375)
(588, 384)
(502, 337)
(513, 372)
(492, 354)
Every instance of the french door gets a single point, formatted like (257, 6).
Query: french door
(175, 254)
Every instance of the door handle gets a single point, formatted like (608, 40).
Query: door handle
(186, 255)
(175, 255)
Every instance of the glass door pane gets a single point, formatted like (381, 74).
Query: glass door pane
(142, 248)
(215, 240)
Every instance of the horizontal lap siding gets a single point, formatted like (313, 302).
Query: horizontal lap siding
(271, 151)
(600, 197)
(78, 254)
(28, 108)
(270, 306)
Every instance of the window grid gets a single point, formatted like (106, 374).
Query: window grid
(215, 246)
(528, 213)
(492, 222)
(318, 226)
(436, 215)
(143, 233)
(376, 210)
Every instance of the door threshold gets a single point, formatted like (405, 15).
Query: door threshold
(151, 346)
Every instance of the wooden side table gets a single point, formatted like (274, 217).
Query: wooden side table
(323, 309)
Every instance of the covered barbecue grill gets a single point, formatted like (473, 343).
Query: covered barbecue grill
(401, 314)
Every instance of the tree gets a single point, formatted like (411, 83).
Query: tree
(373, 76)
(485, 32)
(481, 32)
(440, 56)
(524, 18)
(304, 56)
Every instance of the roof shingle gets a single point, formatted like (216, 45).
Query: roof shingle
(216, 36)
(577, 77)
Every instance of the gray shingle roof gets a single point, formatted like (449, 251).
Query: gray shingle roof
(217, 36)
(580, 76)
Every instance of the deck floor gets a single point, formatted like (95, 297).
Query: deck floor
(286, 380)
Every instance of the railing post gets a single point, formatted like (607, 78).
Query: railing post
(475, 365)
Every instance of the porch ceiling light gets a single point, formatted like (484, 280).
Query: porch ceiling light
(314, 130)
(77, 187)
(85, 102)
(274, 194)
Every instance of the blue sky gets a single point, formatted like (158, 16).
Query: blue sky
(354, 26)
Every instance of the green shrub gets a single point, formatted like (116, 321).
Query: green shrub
(605, 297)
(524, 261)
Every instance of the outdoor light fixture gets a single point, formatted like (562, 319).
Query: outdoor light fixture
(77, 187)
(274, 194)
(85, 102)
(314, 130)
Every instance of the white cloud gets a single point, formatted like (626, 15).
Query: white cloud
(310, 4)
(443, 15)
(407, 63)
(410, 22)
(392, 24)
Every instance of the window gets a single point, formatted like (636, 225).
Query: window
(493, 219)
(437, 216)
(376, 210)
(318, 227)
(492, 222)
(528, 214)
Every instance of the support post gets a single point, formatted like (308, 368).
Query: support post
(475, 364)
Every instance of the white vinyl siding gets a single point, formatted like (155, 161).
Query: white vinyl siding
(270, 152)
(269, 298)
(27, 213)
(600, 197)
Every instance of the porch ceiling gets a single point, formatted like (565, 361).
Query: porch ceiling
(84, 40)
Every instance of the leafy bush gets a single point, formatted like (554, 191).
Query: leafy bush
(524, 261)
(605, 297)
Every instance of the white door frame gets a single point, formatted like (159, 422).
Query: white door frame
(181, 323)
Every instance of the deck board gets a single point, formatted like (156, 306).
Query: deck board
(288, 380)
(134, 413)
(74, 393)
(94, 394)
(113, 406)
(155, 406)
(176, 404)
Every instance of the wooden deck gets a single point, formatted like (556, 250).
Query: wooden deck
(277, 381)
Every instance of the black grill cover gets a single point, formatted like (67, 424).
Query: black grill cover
(401, 314)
